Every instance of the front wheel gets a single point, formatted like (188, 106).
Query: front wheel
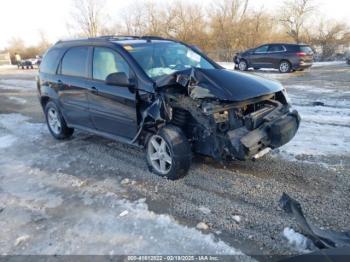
(168, 153)
(55, 122)
(285, 67)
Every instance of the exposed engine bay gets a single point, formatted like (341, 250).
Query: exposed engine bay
(221, 126)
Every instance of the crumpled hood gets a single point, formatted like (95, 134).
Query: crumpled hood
(223, 84)
(233, 86)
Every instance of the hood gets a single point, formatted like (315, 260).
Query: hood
(225, 84)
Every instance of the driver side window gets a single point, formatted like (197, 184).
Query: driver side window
(261, 49)
(106, 61)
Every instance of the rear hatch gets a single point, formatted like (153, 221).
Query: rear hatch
(306, 54)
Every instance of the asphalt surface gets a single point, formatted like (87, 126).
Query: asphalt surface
(213, 193)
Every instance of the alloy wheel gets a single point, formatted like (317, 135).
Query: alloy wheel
(284, 67)
(54, 121)
(159, 154)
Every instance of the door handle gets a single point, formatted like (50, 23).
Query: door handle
(94, 90)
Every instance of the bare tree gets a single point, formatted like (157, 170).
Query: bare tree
(294, 14)
(227, 20)
(88, 17)
(329, 36)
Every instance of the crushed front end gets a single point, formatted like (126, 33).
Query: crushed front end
(224, 129)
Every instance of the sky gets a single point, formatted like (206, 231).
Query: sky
(26, 18)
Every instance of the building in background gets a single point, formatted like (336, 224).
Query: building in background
(5, 59)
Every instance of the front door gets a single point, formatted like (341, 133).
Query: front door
(112, 108)
(258, 58)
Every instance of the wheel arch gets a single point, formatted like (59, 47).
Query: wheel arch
(285, 60)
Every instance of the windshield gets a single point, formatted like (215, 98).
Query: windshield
(161, 59)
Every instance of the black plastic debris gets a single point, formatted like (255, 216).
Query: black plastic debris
(321, 238)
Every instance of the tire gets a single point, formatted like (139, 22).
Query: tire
(284, 67)
(243, 65)
(175, 153)
(56, 123)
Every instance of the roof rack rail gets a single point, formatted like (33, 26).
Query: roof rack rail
(116, 38)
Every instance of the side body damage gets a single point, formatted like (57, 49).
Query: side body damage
(224, 114)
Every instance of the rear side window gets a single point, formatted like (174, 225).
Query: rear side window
(262, 49)
(50, 61)
(306, 49)
(276, 48)
(293, 48)
(74, 62)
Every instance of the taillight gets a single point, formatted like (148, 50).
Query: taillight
(301, 54)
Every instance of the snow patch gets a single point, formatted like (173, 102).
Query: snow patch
(227, 65)
(297, 240)
(331, 63)
(7, 141)
(17, 84)
(19, 126)
(18, 100)
(310, 89)
(323, 131)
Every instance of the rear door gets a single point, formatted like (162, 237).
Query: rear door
(73, 85)
(112, 108)
(258, 58)
(276, 53)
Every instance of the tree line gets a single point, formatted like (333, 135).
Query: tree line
(220, 29)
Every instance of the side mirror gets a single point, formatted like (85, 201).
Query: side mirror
(118, 79)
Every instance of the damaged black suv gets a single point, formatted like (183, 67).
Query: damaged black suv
(163, 95)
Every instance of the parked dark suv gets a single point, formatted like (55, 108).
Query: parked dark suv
(284, 57)
(162, 95)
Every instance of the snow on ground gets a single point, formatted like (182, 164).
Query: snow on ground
(7, 141)
(17, 84)
(324, 130)
(17, 99)
(18, 125)
(34, 200)
(331, 63)
(310, 89)
(227, 65)
(297, 240)
(264, 72)
(6, 67)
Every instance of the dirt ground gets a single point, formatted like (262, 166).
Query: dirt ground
(90, 195)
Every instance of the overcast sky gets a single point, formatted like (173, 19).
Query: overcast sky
(25, 18)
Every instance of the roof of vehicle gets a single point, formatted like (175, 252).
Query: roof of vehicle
(121, 40)
(288, 44)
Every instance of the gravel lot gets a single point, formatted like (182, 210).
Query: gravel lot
(89, 195)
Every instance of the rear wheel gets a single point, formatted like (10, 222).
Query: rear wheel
(55, 122)
(242, 65)
(168, 153)
(285, 67)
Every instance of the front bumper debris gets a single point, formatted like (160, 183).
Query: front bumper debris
(279, 130)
